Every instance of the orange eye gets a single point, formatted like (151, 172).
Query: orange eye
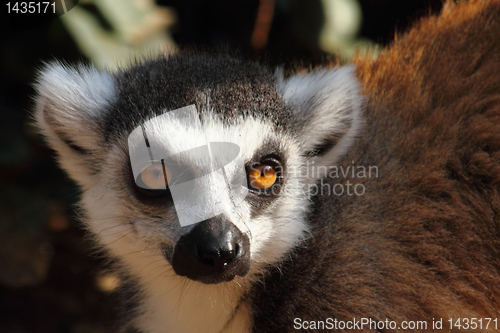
(262, 177)
(155, 176)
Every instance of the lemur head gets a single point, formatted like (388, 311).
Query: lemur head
(276, 128)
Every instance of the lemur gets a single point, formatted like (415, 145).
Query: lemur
(419, 239)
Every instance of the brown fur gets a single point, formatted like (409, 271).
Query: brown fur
(424, 240)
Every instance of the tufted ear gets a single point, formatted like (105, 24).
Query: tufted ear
(69, 104)
(327, 111)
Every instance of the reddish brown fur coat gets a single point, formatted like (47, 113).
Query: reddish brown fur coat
(424, 241)
(437, 123)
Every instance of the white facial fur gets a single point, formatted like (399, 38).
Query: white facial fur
(136, 237)
(269, 239)
(326, 102)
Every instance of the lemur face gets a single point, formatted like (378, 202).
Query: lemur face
(278, 129)
(223, 232)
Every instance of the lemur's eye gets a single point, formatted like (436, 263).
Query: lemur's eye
(263, 176)
(154, 177)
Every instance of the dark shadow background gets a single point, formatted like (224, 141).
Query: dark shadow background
(50, 280)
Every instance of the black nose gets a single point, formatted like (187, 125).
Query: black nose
(219, 253)
(214, 251)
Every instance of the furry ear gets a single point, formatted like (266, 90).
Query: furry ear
(68, 106)
(327, 111)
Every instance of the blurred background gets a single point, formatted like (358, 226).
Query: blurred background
(51, 280)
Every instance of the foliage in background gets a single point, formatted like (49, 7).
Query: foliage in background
(140, 27)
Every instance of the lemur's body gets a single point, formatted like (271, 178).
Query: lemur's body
(421, 242)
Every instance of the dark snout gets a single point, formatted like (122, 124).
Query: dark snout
(213, 251)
